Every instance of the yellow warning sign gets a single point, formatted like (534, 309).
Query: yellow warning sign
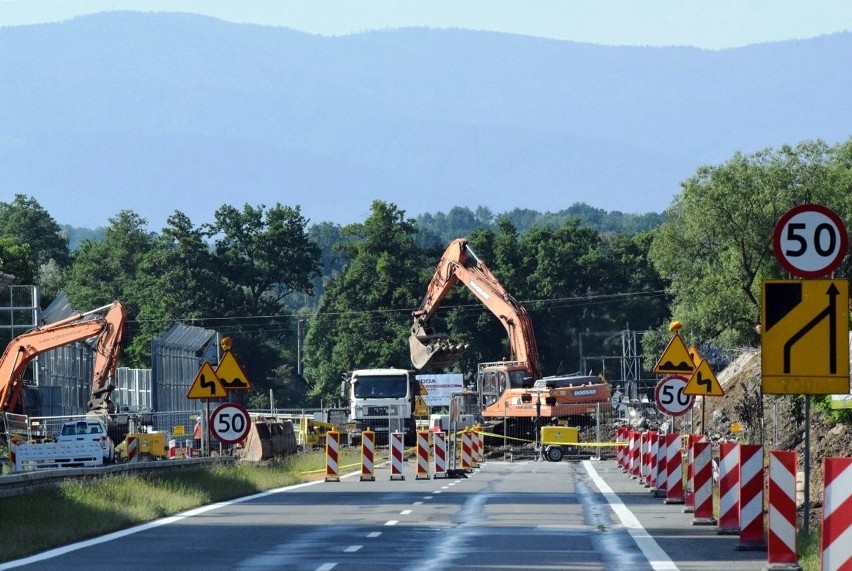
(231, 375)
(703, 382)
(206, 385)
(694, 355)
(676, 359)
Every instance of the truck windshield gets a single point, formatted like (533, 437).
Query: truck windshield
(379, 387)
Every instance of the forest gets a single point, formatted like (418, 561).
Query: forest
(304, 303)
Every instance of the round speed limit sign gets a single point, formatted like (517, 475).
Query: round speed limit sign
(230, 423)
(810, 241)
(670, 398)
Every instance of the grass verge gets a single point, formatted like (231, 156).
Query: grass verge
(77, 510)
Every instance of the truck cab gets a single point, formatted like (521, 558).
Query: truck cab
(381, 400)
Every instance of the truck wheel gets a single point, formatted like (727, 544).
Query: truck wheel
(554, 453)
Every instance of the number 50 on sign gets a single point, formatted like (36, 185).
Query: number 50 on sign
(670, 398)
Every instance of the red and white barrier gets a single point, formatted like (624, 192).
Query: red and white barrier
(751, 498)
(474, 449)
(729, 489)
(368, 447)
(633, 451)
(423, 464)
(674, 470)
(332, 454)
(172, 448)
(440, 440)
(660, 484)
(782, 551)
(132, 449)
(689, 490)
(836, 509)
(620, 448)
(396, 456)
(465, 458)
(702, 477)
(651, 459)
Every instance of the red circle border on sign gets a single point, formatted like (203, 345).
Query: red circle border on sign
(212, 425)
(657, 395)
(827, 212)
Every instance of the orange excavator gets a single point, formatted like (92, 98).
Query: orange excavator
(507, 390)
(108, 327)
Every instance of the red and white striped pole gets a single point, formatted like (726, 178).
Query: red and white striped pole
(702, 477)
(689, 491)
(474, 448)
(368, 447)
(620, 438)
(836, 508)
(643, 457)
(660, 485)
(332, 450)
(423, 464)
(782, 551)
(751, 498)
(440, 440)
(651, 459)
(396, 456)
(633, 470)
(729, 489)
(674, 470)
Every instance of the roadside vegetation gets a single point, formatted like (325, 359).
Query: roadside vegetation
(77, 510)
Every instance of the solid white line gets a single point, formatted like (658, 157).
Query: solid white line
(144, 527)
(657, 558)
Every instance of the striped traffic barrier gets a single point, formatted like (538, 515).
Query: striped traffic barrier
(396, 442)
(651, 459)
(620, 439)
(332, 455)
(751, 498)
(368, 448)
(643, 457)
(702, 475)
(132, 449)
(674, 470)
(633, 469)
(782, 552)
(661, 475)
(440, 440)
(465, 457)
(172, 448)
(689, 490)
(836, 507)
(423, 464)
(729, 489)
(474, 449)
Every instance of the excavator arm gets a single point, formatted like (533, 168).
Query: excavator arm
(431, 350)
(23, 349)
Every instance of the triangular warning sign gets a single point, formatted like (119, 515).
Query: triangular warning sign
(231, 375)
(675, 359)
(694, 355)
(703, 382)
(206, 385)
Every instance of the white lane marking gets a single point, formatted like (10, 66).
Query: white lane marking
(392, 522)
(657, 558)
(352, 548)
(374, 534)
(437, 492)
(417, 504)
(427, 497)
(405, 512)
(144, 527)
(326, 566)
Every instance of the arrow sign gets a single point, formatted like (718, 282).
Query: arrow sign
(805, 347)
(703, 382)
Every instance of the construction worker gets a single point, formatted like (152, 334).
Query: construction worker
(196, 435)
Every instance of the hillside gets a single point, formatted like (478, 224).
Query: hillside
(158, 112)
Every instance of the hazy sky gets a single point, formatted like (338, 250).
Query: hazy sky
(713, 24)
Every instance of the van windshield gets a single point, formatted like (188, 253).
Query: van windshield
(384, 386)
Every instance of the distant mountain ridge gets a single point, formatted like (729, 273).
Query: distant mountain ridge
(164, 112)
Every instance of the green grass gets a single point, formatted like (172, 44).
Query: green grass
(78, 509)
(809, 549)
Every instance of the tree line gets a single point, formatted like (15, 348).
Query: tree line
(323, 299)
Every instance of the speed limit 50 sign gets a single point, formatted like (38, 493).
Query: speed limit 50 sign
(810, 241)
(230, 423)
(670, 398)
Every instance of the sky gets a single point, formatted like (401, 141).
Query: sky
(709, 24)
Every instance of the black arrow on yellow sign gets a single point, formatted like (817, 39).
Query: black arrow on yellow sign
(830, 313)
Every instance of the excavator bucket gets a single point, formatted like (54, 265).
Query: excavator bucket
(268, 438)
(434, 352)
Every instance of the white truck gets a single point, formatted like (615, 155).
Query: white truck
(382, 400)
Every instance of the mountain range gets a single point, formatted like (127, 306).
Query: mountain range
(157, 112)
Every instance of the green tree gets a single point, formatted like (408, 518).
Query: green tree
(15, 259)
(716, 244)
(365, 316)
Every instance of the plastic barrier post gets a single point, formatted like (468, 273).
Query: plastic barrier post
(396, 456)
(620, 434)
(132, 449)
(440, 440)
(368, 447)
(643, 458)
(729, 489)
(674, 470)
(702, 513)
(172, 448)
(689, 491)
(660, 485)
(332, 453)
(633, 469)
(751, 498)
(465, 460)
(651, 459)
(423, 464)
(837, 505)
(782, 552)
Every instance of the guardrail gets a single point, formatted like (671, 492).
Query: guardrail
(26, 482)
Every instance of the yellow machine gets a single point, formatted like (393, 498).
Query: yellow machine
(557, 441)
(149, 445)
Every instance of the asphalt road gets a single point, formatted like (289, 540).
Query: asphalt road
(518, 515)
